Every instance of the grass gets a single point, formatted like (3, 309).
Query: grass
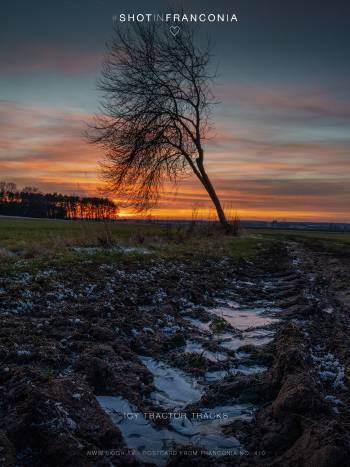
(28, 243)
(335, 242)
(33, 239)
(19, 233)
(341, 237)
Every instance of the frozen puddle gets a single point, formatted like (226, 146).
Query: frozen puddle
(243, 319)
(199, 324)
(117, 248)
(250, 321)
(251, 327)
(175, 389)
(152, 443)
(220, 357)
(204, 428)
(140, 434)
(196, 347)
(6, 252)
(257, 338)
(239, 369)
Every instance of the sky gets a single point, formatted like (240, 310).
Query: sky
(280, 147)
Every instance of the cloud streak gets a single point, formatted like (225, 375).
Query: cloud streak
(261, 177)
(289, 102)
(44, 59)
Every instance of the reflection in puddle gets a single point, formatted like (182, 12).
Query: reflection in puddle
(219, 357)
(239, 369)
(175, 389)
(255, 338)
(151, 442)
(138, 433)
(205, 428)
(250, 321)
(243, 320)
(199, 324)
(196, 347)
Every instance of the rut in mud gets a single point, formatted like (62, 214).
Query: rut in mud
(170, 362)
(225, 345)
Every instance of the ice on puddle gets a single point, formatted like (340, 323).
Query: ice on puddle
(200, 429)
(196, 347)
(243, 319)
(232, 370)
(174, 388)
(198, 323)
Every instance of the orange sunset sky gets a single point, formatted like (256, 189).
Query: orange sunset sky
(280, 147)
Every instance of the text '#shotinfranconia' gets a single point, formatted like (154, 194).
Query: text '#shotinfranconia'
(176, 17)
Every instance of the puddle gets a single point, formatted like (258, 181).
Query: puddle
(175, 389)
(205, 428)
(228, 303)
(146, 439)
(199, 324)
(256, 338)
(196, 347)
(133, 249)
(7, 253)
(240, 369)
(219, 357)
(117, 248)
(243, 319)
(152, 443)
(249, 320)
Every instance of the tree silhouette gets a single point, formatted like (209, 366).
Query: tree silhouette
(155, 112)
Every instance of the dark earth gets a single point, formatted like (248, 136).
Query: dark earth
(69, 334)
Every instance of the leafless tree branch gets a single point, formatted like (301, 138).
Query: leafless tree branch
(155, 112)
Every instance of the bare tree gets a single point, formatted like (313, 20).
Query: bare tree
(155, 112)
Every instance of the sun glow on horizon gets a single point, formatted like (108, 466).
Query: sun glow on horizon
(255, 177)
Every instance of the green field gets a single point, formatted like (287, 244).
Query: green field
(19, 233)
(335, 242)
(342, 237)
(33, 239)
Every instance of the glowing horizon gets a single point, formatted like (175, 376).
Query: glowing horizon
(280, 148)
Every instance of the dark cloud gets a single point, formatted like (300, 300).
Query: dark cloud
(281, 142)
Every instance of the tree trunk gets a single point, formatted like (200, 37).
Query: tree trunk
(214, 197)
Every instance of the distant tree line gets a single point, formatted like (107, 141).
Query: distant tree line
(30, 202)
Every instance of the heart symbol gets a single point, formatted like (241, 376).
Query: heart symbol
(174, 30)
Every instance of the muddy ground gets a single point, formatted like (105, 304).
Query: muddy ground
(72, 335)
